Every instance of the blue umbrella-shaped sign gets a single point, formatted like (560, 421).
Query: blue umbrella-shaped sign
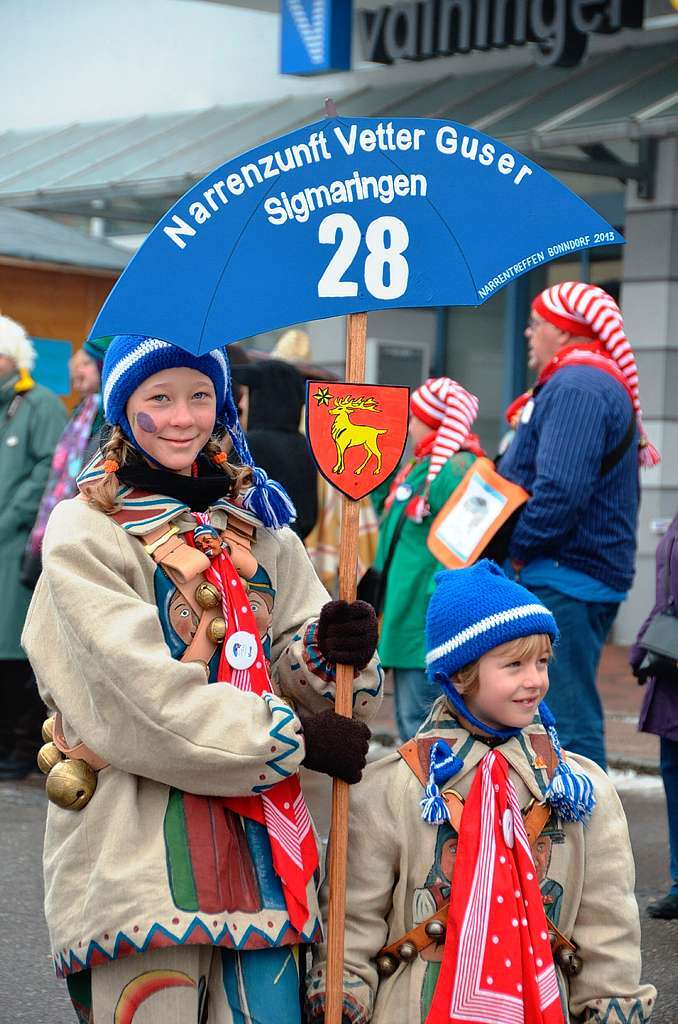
(344, 216)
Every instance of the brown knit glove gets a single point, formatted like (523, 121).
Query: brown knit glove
(335, 745)
(347, 633)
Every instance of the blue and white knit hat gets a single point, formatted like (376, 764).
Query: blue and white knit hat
(471, 612)
(476, 609)
(132, 358)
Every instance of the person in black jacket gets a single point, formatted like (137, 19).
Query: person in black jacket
(276, 400)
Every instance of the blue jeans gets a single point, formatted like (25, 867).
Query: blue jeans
(668, 760)
(414, 695)
(573, 696)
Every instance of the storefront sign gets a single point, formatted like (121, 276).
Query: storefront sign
(341, 216)
(441, 28)
(315, 36)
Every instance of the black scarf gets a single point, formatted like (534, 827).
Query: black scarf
(198, 492)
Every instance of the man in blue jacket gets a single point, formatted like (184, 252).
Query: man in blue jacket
(578, 443)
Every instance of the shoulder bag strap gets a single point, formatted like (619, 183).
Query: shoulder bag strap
(381, 589)
(610, 460)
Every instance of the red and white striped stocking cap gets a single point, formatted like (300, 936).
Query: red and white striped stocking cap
(587, 311)
(449, 409)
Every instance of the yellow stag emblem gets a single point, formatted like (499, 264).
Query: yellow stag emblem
(351, 435)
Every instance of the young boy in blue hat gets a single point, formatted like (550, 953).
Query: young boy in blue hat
(490, 872)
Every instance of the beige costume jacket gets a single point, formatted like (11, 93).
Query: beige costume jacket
(147, 863)
(400, 871)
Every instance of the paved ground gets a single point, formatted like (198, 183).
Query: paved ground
(30, 995)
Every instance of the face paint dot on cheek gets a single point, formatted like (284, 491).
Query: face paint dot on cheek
(147, 423)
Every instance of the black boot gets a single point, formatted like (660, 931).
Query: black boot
(665, 908)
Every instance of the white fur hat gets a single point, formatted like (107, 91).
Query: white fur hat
(15, 344)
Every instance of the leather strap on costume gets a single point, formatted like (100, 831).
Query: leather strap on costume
(80, 752)
(535, 814)
(418, 938)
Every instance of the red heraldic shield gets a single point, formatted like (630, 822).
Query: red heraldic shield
(356, 432)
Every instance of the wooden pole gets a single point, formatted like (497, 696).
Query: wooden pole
(356, 335)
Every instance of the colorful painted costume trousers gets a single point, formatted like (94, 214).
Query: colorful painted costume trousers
(193, 985)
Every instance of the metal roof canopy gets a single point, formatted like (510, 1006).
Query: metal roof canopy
(132, 169)
(25, 237)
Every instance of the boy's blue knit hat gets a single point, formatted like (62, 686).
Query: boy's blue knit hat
(132, 358)
(473, 610)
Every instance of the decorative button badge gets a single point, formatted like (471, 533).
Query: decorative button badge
(241, 649)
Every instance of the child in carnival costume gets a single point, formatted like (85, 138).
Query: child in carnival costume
(490, 872)
(442, 413)
(188, 651)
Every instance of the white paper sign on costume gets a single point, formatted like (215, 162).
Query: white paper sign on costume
(463, 528)
(473, 515)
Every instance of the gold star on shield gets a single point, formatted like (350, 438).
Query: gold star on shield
(322, 396)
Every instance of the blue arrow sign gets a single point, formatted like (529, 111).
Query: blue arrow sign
(343, 216)
(315, 36)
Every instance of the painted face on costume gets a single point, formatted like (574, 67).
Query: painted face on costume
(509, 688)
(261, 604)
(543, 341)
(542, 856)
(172, 416)
(182, 618)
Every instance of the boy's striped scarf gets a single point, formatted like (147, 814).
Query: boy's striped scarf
(497, 964)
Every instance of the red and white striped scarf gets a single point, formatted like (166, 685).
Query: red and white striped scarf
(282, 808)
(497, 965)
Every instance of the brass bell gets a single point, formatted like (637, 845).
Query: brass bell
(71, 785)
(216, 631)
(407, 952)
(386, 965)
(435, 930)
(207, 595)
(568, 961)
(48, 729)
(48, 756)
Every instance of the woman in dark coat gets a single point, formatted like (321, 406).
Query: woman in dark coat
(659, 713)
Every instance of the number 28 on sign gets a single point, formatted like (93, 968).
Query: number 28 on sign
(385, 270)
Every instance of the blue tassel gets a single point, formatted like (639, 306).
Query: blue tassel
(443, 764)
(570, 791)
(433, 808)
(268, 501)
